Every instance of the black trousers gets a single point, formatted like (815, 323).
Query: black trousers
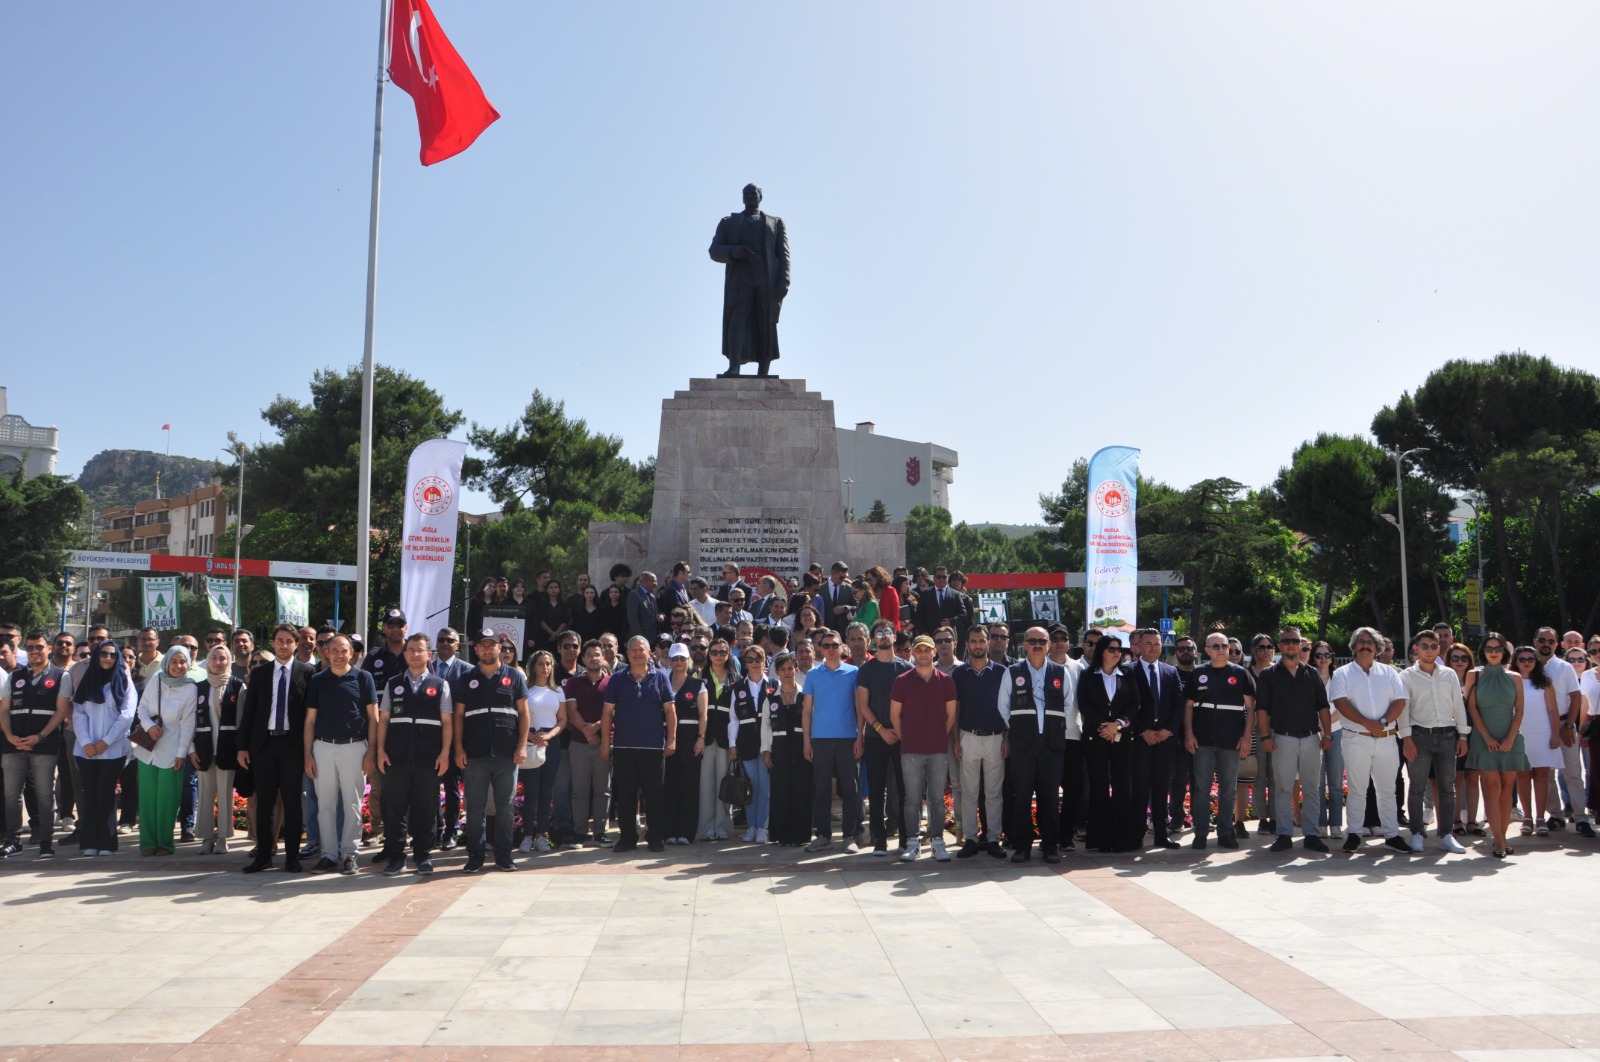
(279, 770)
(410, 801)
(130, 793)
(680, 791)
(1036, 776)
(636, 773)
(1111, 803)
(1152, 784)
(789, 818)
(1182, 782)
(451, 782)
(97, 829)
(885, 784)
(1072, 785)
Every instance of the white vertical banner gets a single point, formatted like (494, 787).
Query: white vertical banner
(992, 608)
(428, 559)
(294, 603)
(219, 595)
(161, 603)
(1112, 581)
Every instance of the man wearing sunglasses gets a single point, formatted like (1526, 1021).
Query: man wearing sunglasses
(33, 705)
(1036, 702)
(1216, 726)
(1369, 697)
(833, 742)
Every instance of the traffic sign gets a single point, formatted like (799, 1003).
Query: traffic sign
(1165, 624)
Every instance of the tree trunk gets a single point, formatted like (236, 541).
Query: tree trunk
(1323, 610)
(1197, 629)
(1438, 594)
(1377, 610)
(1508, 572)
(1549, 518)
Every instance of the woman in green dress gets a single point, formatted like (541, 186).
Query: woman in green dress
(1495, 750)
(866, 603)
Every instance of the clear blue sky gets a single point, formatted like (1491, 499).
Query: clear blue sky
(1020, 231)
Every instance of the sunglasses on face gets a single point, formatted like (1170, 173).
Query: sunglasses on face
(1457, 658)
(1323, 656)
(1036, 641)
(944, 641)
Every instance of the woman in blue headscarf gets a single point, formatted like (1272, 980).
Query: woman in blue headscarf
(167, 712)
(102, 712)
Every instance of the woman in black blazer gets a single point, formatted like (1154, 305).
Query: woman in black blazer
(1108, 700)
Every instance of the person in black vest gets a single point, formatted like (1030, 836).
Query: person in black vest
(789, 818)
(490, 737)
(33, 708)
(272, 726)
(680, 785)
(415, 719)
(1108, 705)
(1158, 731)
(1034, 704)
(750, 738)
(638, 726)
(1216, 726)
(215, 752)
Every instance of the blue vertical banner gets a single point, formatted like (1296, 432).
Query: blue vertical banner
(1112, 577)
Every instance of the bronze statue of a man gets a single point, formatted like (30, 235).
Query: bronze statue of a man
(755, 248)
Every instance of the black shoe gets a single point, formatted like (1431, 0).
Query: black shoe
(969, 849)
(1585, 830)
(425, 867)
(186, 834)
(291, 865)
(380, 856)
(46, 852)
(1052, 857)
(258, 864)
(656, 845)
(1314, 844)
(1405, 823)
(1021, 855)
(1199, 842)
(1265, 826)
(1168, 842)
(324, 866)
(1352, 841)
(396, 866)
(10, 848)
(995, 850)
(1228, 842)
(474, 863)
(1557, 823)
(625, 846)
(448, 844)
(1068, 845)
(69, 839)
(1282, 844)
(1398, 843)
(504, 863)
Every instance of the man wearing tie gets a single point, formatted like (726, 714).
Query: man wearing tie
(272, 735)
(939, 606)
(836, 601)
(1159, 728)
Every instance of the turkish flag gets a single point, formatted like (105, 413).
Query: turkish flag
(451, 109)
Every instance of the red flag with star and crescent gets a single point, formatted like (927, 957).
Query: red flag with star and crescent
(451, 109)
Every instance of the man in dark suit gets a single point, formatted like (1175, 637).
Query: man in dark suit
(643, 617)
(1158, 730)
(836, 600)
(272, 722)
(940, 606)
(754, 247)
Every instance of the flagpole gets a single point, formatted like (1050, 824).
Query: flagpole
(364, 486)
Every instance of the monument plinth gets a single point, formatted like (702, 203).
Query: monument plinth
(747, 471)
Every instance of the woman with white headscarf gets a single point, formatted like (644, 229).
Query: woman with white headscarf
(214, 751)
(167, 713)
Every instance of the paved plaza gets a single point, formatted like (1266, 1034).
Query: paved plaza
(738, 952)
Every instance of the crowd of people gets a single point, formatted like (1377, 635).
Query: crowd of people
(677, 712)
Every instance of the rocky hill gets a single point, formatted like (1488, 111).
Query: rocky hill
(118, 477)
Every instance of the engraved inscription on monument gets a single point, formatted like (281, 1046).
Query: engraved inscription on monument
(775, 541)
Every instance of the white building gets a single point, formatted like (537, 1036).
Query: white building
(24, 446)
(899, 472)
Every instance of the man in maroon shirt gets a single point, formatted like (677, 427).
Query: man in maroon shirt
(922, 710)
(591, 775)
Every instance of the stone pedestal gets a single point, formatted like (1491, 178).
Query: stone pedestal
(747, 470)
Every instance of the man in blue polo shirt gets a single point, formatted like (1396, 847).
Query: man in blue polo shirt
(980, 744)
(638, 728)
(833, 742)
(341, 734)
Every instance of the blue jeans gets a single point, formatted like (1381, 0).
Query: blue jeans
(538, 791)
(760, 793)
(190, 797)
(1224, 764)
(1333, 780)
(498, 773)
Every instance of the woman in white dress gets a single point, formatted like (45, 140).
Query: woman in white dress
(1541, 732)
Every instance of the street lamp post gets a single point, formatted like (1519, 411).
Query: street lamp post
(238, 533)
(1400, 524)
(849, 482)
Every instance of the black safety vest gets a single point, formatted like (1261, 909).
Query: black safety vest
(1220, 719)
(415, 735)
(683, 703)
(787, 722)
(489, 726)
(1024, 726)
(748, 709)
(33, 702)
(222, 746)
(718, 708)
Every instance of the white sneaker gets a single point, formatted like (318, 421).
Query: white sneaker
(939, 852)
(540, 844)
(910, 854)
(748, 836)
(1416, 842)
(1448, 843)
(819, 844)
(526, 845)
(90, 852)
(761, 837)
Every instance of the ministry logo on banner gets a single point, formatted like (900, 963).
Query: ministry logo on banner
(1112, 581)
(161, 603)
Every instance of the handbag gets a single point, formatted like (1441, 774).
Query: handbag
(137, 733)
(736, 788)
(1249, 767)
